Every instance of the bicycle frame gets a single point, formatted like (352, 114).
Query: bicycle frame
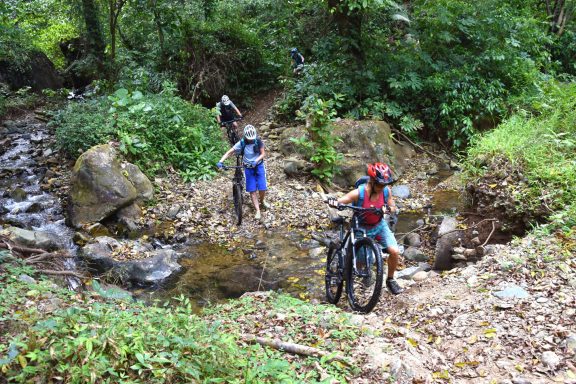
(347, 240)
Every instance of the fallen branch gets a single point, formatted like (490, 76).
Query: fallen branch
(490, 235)
(61, 273)
(419, 146)
(471, 226)
(17, 248)
(293, 348)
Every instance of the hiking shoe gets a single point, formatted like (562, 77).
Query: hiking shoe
(264, 205)
(393, 286)
(258, 216)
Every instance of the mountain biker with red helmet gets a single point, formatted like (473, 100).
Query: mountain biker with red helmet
(376, 193)
(227, 111)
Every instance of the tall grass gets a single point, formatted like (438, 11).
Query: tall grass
(543, 144)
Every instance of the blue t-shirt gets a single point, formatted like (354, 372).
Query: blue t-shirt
(250, 153)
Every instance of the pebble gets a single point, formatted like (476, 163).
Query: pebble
(542, 300)
(550, 359)
(27, 279)
(420, 276)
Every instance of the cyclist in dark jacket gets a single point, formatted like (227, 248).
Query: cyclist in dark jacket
(374, 194)
(227, 111)
(297, 60)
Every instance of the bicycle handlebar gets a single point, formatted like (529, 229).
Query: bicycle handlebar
(354, 208)
(227, 167)
(233, 120)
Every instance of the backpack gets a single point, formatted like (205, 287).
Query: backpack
(361, 186)
(257, 145)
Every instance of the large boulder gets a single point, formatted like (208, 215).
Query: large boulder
(361, 142)
(38, 73)
(101, 185)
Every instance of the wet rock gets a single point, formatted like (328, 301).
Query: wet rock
(173, 211)
(316, 252)
(33, 208)
(401, 191)
(550, 359)
(151, 270)
(33, 239)
(97, 230)
(18, 194)
(445, 243)
(47, 152)
(98, 257)
(414, 254)
(101, 185)
(80, 239)
(433, 169)
(27, 279)
(260, 245)
(413, 240)
(512, 291)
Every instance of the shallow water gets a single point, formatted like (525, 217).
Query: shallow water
(281, 262)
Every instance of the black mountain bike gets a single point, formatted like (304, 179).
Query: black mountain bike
(356, 259)
(237, 188)
(233, 137)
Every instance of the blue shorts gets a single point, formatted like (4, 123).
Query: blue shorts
(383, 235)
(255, 178)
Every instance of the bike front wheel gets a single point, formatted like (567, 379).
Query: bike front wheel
(334, 274)
(364, 275)
(237, 194)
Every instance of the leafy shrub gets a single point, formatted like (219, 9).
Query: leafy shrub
(92, 337)
(320, 141)
(156, 131)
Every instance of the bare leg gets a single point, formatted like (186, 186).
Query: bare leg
(254, 196)
(262, 194)
(392, 261)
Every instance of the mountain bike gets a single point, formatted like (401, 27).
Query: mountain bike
(233, 137)
(237, 188)
(356, 259)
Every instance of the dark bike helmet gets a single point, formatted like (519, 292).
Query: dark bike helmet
(380, 173)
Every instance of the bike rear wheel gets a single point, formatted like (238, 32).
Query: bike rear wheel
(334, 275)
(364, 276)
(237, 194)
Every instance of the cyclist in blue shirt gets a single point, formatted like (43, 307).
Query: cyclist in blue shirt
(251, 148)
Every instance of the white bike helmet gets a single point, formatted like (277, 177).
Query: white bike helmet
(249, 132)
(225, 100)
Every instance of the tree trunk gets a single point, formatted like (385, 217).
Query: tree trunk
(95, 38)
(115, 7)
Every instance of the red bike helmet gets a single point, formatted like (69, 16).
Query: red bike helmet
(380, 173)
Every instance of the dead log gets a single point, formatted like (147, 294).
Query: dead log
(298, 349)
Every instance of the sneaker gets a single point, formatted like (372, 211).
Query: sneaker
(258, 216)
(393, 286)
(264, 205)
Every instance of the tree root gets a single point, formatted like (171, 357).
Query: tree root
(298, 349)
(48, 263)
